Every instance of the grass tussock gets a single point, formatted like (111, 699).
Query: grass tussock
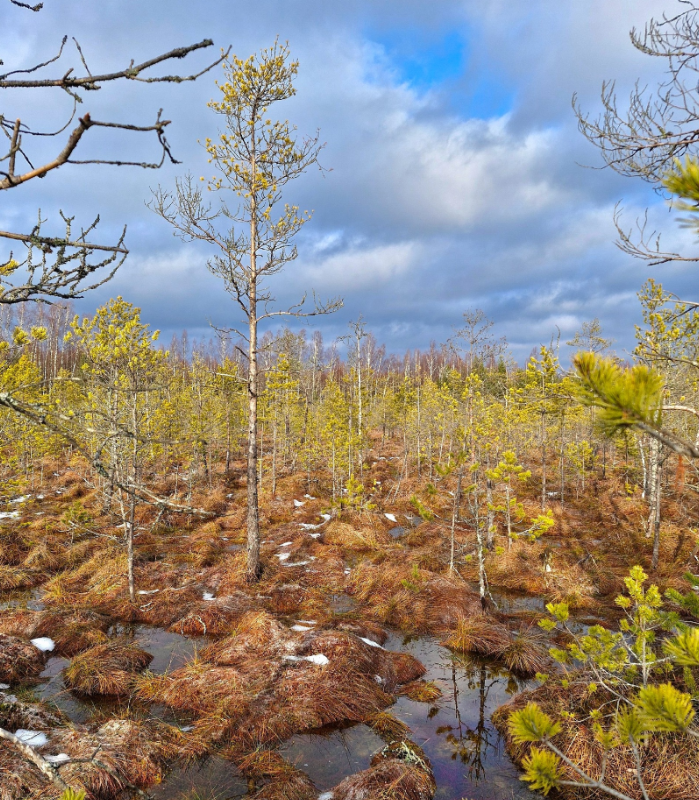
(19, 659)
(411, 598)
(213, 617)
(421, 691)
(388, 727)
(73, 631)
(282, 781)
(478, 634)
(107, 669)
(526, 653)
(670, 764)
(401, 771)
(117, 744)
(12, 578)
(355, 538)
(20, 622)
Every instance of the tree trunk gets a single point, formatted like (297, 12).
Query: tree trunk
(253, 521)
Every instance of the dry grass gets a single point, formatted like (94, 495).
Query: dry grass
(670, 764)
(387, 726)
(400, 772)
(12, 578)
(19, 659)
(20, 622)
(412, 599)
(73, 631)
(212, 617)
(479, 634)
(352, 538)
(282, 780)
(107, 669)
(421, 691)
(527, 652)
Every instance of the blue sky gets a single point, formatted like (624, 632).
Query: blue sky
(455, 177)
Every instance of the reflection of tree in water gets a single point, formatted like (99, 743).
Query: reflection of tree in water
(471, 744)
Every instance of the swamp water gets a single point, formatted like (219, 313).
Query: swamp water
(466, 751)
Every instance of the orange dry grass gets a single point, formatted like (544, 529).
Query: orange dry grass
(351, 537)
(19, 659)
(393, 775)
(14, 578)
(283, 781)
(412, 599)
(478, 634)
(669, 764)
(106, 669)
(421, 691)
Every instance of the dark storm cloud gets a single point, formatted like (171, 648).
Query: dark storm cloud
(439, 199)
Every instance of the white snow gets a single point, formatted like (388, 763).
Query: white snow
(308, 526)
(300, 628)
(22, 499)
(378, 679)
(207, 596)
(309, 497)
(187, 728)
(40, 497)
(285, 544)
(347, 571)
(325, 796)
(296, 563)
(391, 517)
(326, 517)
(318, 659)
(315, 535)
(61, 758)
(548, 568)
(371, 642)
(9, 514)
(44, 644)
(299, 503)
(148, 591)
(282, 556)
(4, 686)
(306, 621)
(32, 738)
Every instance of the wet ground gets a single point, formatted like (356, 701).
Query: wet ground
(467, 753)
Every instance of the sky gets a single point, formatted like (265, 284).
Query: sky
(454, 176)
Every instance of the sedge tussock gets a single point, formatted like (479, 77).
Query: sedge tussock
(670, 764)
(107, 669)
(12, 578)
(401, 771)
(411, 598)
(421, 691)
(387, 726)
(526, 653)
(478, 634)
(19, 659)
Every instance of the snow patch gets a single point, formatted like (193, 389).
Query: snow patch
(285, 544)
(9, 514)
(44, 644)
(282, 556)
(296, 563)
(318, 659)
(371, 642)
(61, 758)
(315, 535)
(309, 497)
(391, 517)
(299, 503)
(326, 517)
(148, 591)
(302, 628)
(326, 796)
(22, 499)
(32, 738)
(207, 596)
